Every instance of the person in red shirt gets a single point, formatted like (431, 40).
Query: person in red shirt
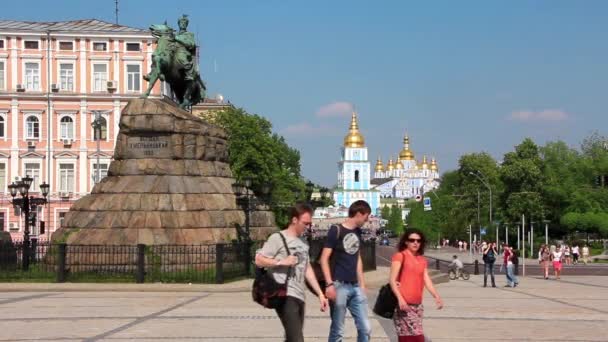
(408, 279)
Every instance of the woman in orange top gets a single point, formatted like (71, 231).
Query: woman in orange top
(409, 277)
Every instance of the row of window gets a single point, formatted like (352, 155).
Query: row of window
(14, 226)
(31, 77)
(65, 175)
(69, 46)
(66, 128)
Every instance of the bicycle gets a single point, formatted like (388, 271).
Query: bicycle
(463, 274)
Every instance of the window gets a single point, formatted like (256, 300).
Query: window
(66, 177)
(2, 222)
(2, 127)
(61, 218)
(69, 46)
(32, 76)
(31, 44)
(133, 78)
(133, 47)
(103, 172)
(1, 43)
(100, 46)
(33, 170)
(32, 128)
(1, 74)
(2, 177)
(103, 131)
(66, 128)
(66, 76)
(100, 77)
(357, 176)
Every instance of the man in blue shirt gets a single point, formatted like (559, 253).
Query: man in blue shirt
(344, 274)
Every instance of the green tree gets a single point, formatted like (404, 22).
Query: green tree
(395, 221)
(385, 213)
(522, 176)
(258, 153)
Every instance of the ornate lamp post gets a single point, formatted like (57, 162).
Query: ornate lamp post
(27, 205)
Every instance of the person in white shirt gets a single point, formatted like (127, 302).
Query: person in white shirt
(557, 261)
(459, 245)
(575, 251)
(456, 265)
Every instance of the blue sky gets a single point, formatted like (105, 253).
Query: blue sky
(458, 76)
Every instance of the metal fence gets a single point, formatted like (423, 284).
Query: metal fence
(207, 263)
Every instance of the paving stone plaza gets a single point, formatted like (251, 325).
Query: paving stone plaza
(574, 309)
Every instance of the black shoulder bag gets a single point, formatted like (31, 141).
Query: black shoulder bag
(266, 291)
(387, 302)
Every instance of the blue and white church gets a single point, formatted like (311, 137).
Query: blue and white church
(355, 172)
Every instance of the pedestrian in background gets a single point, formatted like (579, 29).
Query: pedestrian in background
(575, 254)
(489, 258)
(408, 278)
(557, 256)
(544, 258)
(585, 254)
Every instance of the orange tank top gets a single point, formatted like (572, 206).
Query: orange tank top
(411, 281)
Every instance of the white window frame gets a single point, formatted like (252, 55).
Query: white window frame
(57, 212)
(106, 116)
(127, 78)
(4, 45)
(38, 161)
(93, 42)
(24, 79)
(92, 172)
(4, 62)
(4, 132)
(6, 177)
(66, 41)
(58, 175)
(71, 62)
(133, 42)
(104, 88)
(66, 115)
(25, 39)
(39, 117)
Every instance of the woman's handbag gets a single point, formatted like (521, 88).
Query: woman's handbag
(266, 291)
(386, 302)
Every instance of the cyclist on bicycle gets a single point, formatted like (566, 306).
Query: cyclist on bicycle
(456, 265)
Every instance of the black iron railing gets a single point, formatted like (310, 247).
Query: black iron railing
(207, 263)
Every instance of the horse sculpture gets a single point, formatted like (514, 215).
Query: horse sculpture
(173, 62)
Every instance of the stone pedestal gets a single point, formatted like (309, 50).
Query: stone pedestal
(169, 183)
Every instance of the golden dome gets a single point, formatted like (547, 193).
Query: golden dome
(424, 163)
(399, 165)
(390, 166)
(354, 138)
(379, 165)
(434, 165)
(406, 153)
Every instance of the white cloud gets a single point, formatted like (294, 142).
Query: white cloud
(304, 128)
(545, 115)
(335, 109)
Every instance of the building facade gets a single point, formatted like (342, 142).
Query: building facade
(55, 78)
(354, 171)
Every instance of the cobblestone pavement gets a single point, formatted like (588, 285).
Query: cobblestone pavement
(573, 309)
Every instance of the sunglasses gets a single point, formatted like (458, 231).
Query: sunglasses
(414, 240)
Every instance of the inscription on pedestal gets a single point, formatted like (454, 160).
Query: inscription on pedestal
(150, 146)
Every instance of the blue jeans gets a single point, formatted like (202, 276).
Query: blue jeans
(349, 297)
(511, 278)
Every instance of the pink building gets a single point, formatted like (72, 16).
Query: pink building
(49, 96)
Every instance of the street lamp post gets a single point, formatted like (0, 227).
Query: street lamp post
(484, 181)
(27, 205)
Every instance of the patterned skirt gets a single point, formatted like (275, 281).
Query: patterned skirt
(409, 323)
